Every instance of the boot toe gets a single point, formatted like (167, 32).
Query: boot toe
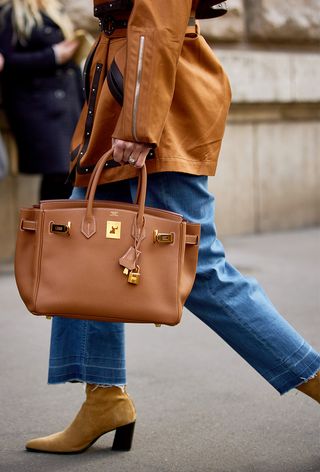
(35, 445)
(45, 444)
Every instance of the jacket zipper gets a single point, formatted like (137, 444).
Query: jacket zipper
(137, 89)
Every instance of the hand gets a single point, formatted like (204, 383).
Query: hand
(125, 151)
(65, 50)
(1, 62)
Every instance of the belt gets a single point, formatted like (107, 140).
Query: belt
(109, 24)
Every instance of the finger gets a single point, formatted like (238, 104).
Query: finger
(128, 150)
(118, 152)
(71, 42)
(134, 156)
(74, 45)
(142, 158)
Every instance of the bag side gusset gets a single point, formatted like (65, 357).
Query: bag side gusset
(27, 249)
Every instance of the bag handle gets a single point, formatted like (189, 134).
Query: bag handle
(94, 173)
(111, 164)
(106, 154)
(88, 227)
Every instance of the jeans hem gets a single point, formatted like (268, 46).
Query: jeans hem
(74, 380)
(81, 373)
(293, 381)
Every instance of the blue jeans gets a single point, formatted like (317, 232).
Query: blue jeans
(232, 305)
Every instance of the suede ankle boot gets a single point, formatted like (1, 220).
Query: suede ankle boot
(312, 388)
(105, 409)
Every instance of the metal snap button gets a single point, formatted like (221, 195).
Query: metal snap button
(60, 94)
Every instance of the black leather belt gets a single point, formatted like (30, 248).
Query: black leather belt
(108, 7)
(108, 24)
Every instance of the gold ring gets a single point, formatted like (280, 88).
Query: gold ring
(131, 161)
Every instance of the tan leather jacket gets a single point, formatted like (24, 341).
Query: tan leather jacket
(176, 94)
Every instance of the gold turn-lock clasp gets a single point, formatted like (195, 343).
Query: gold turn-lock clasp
(163, 238)
(60, 229)
(157, 325)
(134, 276)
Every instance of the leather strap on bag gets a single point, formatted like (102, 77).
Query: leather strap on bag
(88, 225)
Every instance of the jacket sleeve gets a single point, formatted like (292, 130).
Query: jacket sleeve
(155, 36)
(24, 61)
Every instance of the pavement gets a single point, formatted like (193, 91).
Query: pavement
(201, 408)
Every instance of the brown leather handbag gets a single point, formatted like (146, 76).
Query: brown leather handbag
(105, 260)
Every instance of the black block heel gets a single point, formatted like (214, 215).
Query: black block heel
(123, 437)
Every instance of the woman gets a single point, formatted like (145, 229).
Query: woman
(41, 88)
(153, 83)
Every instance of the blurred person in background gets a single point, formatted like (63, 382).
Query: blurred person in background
(42, 91)
(3, 151)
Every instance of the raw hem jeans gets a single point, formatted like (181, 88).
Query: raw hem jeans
(234, 306)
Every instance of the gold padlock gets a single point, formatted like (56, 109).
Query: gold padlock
(134, 276)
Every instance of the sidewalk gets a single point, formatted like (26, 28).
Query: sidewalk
(200, 407)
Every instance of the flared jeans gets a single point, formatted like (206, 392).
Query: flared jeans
(232, 305)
